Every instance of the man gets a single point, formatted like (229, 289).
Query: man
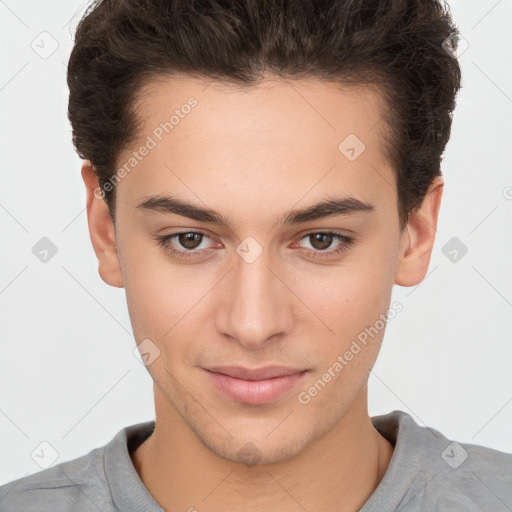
(259, 175)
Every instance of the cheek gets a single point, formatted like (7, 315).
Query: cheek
(166, 305)
(154, 294)
(349, 298)
(351, 302)
(351, 307)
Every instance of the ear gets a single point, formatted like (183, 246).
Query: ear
(101, 229)
(418, 237)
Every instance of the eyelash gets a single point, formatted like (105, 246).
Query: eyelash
(346, 243)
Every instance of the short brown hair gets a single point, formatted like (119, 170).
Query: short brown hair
(394, 45)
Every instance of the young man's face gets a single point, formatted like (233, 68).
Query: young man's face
(258, 291)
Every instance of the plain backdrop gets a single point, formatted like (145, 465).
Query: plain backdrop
(68, 375)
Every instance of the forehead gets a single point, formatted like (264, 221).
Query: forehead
(307, 107)
(276, 139)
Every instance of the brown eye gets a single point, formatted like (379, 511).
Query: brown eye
(190, 240)
(321, 241)
(186, 244)
(321, 244)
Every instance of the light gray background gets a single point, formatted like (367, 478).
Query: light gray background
(68, 375)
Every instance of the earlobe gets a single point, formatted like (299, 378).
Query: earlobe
(418, 238)
(101, 230)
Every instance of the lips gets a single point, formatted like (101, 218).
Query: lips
(268, 372)
(254, 386)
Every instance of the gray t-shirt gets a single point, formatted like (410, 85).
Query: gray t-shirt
(427, 472)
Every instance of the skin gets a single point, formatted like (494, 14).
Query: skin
(254, 155)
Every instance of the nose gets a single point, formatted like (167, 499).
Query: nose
(254, 304)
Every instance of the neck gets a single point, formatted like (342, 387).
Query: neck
(337, 472)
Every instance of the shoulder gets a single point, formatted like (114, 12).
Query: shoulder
(478, 474)
(104, 479)
(76, 485)
(441, 473)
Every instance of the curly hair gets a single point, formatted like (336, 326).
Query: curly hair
(403, 48)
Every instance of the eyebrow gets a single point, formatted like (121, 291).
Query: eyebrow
(330, 207)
